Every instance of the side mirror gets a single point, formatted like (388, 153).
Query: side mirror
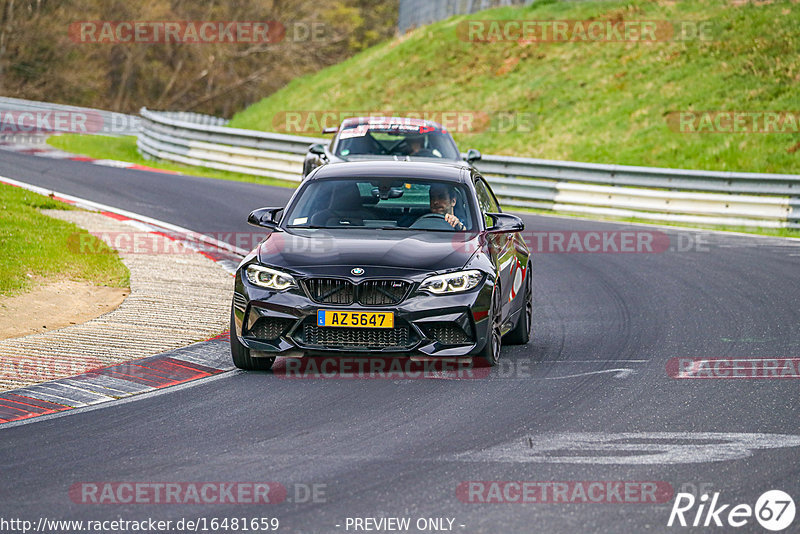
(317, 148)
(505, 223)
(473, 155)
(265, 217)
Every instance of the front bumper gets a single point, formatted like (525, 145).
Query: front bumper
(284, 323)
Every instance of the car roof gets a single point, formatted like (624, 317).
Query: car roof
(377, 121)
(450, 172)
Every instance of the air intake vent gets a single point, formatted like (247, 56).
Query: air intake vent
(448, 334)
(239, 301)
(367, 338)
(270, 327)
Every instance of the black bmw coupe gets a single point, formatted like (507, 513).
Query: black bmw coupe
(390, 258)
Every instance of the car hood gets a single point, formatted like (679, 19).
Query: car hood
(406, 250)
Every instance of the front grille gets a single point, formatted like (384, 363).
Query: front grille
(330, 290)
(270, 327)
(366, 293)
(447, 334)
(381, 292)
(355, 337)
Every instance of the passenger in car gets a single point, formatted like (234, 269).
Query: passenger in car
(346, 208)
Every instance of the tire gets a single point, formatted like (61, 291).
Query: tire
(521, 334)
(491, 351)
(241, 354)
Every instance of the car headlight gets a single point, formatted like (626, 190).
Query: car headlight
(457, 282)
(269, 278)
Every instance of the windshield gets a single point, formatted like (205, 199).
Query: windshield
(403, 138)
(392, 204)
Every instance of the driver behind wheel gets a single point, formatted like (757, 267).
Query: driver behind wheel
(416, 146)
(443, 199)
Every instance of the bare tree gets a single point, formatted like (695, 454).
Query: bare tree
(41, 59)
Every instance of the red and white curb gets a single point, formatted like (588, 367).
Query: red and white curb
(114, 382)
(46, 151)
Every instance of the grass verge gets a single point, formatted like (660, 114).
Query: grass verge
(37, 247)
(124, 149)
(589, 101)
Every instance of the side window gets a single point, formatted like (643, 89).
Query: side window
(486, 200)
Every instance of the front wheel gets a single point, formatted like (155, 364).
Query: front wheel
(491, 352)
(241, 354)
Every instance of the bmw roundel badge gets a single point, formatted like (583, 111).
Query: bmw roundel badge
(358, 271)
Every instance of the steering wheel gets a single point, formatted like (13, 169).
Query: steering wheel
(432, 221)
(392, 149)
(377, 146)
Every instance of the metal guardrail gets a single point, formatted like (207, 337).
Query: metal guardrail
(182, 139)
(674, 195)
(415, 13)
(21, 117)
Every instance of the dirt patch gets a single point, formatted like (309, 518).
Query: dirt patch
(55, 305)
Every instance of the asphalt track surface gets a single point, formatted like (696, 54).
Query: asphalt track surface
(605, 327)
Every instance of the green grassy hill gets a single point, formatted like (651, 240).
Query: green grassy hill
(605, 102)
(37, 248)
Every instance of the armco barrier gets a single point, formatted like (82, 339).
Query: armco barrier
(674, 195)
(185, 140)
(46, 115)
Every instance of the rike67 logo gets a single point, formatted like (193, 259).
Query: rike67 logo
(774, 510)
